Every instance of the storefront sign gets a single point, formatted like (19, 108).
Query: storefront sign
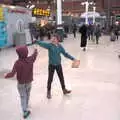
(1, 14)
(40, 12)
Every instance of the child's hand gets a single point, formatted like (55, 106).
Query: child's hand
(35, 46)
(5, 75)
(9, 75)
(76, 64)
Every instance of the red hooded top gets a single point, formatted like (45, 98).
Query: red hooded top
(23, 67)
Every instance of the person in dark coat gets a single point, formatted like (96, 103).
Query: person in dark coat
(74, 30)
(117, 32)
(66, 29)
(23, 67)
(97, 33)
(83, 31)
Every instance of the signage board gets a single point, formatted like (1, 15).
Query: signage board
(37, 12)
(1, 14)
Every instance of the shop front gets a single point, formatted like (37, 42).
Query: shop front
(14, 22)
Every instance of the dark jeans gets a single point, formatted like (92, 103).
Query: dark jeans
(59, 71)
(97, 39)
(117, 36)
(74, 33)
(90, 37)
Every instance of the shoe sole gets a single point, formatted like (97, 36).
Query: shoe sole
(67, 93)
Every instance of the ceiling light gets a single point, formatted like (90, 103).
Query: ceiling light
(91, 3)
(82, 3)
(27, 6)
(12, 7)
(3, 5)
(29, 2)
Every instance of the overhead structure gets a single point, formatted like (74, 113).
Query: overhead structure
(90, 15)
(86, 9)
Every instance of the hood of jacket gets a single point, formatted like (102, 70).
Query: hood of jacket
(22, 52)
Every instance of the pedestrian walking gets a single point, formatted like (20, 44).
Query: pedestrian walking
(74, 30)
(83, 31)
(117, 32)
(97, 33)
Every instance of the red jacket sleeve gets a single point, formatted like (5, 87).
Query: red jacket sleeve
(12, 73)
(33, 57)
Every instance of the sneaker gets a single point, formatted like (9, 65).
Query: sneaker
(65, 91)
(26, 114)
(49, 95)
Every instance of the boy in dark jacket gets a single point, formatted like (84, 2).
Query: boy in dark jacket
(23, 67)
(55, 50)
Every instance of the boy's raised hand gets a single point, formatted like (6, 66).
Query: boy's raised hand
(36, 47)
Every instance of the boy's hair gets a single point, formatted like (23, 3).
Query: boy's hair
(57, 36)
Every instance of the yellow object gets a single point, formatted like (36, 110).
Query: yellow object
(1, 14)
(40, 12)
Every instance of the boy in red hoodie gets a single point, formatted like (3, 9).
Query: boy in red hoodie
(23, 67)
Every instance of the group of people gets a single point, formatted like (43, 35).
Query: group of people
(93, 32)
(23, 68)
(87, 32)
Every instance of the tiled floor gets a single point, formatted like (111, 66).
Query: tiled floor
(95, 85)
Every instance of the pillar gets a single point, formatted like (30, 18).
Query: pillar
(59, 19)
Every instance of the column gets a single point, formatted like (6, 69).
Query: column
(59, 20)
(94, 10)
(59, 12)
(86, 10)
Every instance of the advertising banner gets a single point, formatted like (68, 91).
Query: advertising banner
(3, 28)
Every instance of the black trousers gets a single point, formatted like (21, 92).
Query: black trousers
(117, 36)
(74, 33)
(59, 71)
(97, 39)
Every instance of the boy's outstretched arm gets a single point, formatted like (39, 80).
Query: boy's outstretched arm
(43, 44)
(12, 73)
(67, 55)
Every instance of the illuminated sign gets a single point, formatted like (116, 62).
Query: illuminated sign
(1, 14)
(40, 12)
